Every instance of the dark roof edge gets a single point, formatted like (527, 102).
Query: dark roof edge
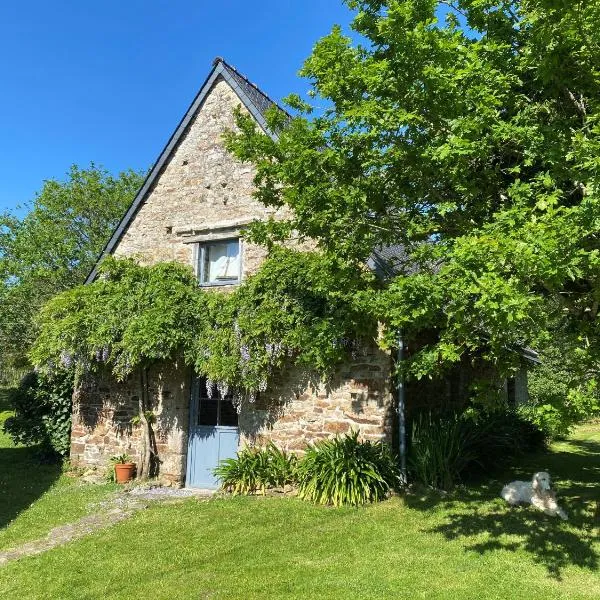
(530, 354)
(220, 68)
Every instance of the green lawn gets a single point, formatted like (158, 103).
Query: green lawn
(465, 545)
(35, 498)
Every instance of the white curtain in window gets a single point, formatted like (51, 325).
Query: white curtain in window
(224, 261)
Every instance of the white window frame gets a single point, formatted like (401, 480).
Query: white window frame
(200, 261)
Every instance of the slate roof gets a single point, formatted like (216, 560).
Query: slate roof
(253, 99)
(530, 354)
(393, 260)
(255, 95)
(389, 261)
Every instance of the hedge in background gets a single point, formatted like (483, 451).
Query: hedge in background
(42, 412)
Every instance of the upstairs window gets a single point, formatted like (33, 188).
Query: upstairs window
(219, 262)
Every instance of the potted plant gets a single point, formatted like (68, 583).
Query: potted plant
(124, 467)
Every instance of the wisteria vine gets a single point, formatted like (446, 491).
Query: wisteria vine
(290, 312)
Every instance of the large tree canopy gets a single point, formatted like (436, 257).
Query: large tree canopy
(55, 246)
(469, 133)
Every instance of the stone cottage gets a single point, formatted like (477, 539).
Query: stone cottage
(193, 208)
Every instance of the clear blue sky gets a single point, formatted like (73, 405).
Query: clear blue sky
(108, 81)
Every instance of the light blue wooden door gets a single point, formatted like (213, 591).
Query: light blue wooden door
(214, 434)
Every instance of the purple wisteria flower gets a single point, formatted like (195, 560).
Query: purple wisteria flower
(274, 349)
(223, 388)
(237, 402)
(66, 359)
(245, 352)
(210, 388)
(102, 354)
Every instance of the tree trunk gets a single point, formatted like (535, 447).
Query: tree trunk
(148, 450)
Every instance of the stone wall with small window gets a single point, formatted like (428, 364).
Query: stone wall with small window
(203, 193)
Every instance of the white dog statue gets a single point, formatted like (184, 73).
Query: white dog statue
(538, 492)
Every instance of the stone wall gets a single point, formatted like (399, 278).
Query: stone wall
(102, 413)
(298, 409)
(302, 409)
(201, 187)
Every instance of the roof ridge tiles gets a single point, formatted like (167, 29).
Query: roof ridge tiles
(235, 71)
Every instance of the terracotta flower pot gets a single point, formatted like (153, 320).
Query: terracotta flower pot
(124, 472)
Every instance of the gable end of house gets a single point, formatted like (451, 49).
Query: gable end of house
(254, 100)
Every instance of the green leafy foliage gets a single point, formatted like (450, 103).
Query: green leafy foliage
(440, 449)
(121, 459)
(134, 315)
(54, 246)
(563, 389)
(339, 471)
(131, 315)
(42, 412)
(469, 133)
(257, 469)
(446, 449)
(499, 437)
(347, 471)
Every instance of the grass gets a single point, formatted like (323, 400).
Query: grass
(458, 546)
(35, 497)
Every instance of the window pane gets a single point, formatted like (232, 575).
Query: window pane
(207, 415)
(205, 264)
(229, 416)
(223, 261)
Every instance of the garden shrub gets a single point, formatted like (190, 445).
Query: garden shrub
(42, 412)
(441, 447)
(257, 469)
(346, 471)
(499, 437)
(562, 392)
(549, 418)
(448, 448)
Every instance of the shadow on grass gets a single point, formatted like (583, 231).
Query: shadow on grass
(22, 478)
(478, 512)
